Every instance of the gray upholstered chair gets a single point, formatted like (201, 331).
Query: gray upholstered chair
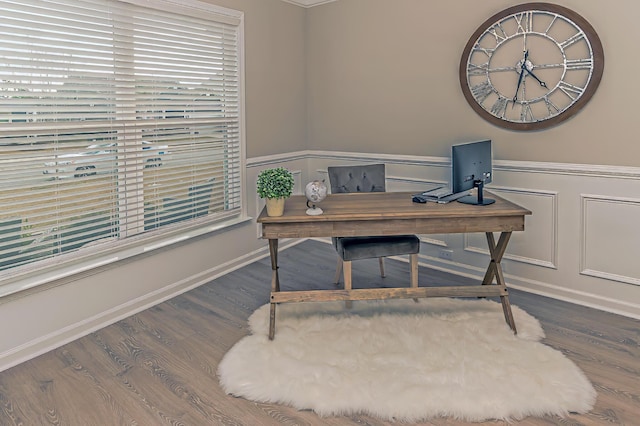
(368, 178)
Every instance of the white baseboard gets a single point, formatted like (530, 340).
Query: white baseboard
(563, 253)
(48, 342)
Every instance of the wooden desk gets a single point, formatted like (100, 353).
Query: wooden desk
(393, 213)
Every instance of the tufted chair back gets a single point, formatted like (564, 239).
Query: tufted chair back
(367, 178)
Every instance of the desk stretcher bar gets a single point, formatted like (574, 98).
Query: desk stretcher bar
(387, 293)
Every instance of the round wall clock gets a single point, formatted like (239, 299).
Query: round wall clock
(531, 66)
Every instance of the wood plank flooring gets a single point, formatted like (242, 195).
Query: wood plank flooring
(159, 367)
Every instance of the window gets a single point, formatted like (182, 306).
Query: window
(117, 118)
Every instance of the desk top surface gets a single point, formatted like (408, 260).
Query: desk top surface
(387, 205)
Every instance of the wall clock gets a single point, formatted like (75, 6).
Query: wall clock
(531, 66)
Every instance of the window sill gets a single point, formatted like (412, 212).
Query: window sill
(47, 273)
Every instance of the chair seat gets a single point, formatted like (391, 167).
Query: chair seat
(355, 248)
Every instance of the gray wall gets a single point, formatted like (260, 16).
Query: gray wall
(374, 77)
(275, 75)
(383, 77)
(63, 309)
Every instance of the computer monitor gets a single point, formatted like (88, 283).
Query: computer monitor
(471, 167)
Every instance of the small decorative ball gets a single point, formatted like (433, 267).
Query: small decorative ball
(315, 191)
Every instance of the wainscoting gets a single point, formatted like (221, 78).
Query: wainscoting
(580, 244)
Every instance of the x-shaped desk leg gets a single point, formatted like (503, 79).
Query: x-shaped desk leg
(275, 284)
(495, 270)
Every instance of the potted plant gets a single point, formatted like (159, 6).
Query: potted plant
(275, 185)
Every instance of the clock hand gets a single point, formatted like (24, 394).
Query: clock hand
(515, 97)
(522, 70)
(527, 65)
(542, 83)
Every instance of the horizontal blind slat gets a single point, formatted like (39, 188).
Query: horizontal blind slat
(116, 119)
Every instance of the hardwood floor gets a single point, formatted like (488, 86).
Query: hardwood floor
(159, 367)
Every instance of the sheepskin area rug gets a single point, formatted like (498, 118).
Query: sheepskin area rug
(405, 361)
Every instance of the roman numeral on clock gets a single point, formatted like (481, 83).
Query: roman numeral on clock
(482, 91)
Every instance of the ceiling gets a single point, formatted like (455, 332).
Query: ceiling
(308, 3)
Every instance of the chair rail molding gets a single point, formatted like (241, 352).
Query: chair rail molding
(563, 252)
(309, 3)
(579, 246)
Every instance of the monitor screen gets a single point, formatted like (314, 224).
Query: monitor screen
(471, 167)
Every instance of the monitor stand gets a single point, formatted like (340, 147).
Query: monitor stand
(479, 200)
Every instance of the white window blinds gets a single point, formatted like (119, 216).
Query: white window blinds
(115, 119)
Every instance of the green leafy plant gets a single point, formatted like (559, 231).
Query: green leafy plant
(275, 183)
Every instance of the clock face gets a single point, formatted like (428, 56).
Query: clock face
(531, 66)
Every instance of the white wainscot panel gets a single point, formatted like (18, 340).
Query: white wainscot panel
(610, 238)
(538, 244)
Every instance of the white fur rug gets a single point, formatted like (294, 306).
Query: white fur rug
(405, 361)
